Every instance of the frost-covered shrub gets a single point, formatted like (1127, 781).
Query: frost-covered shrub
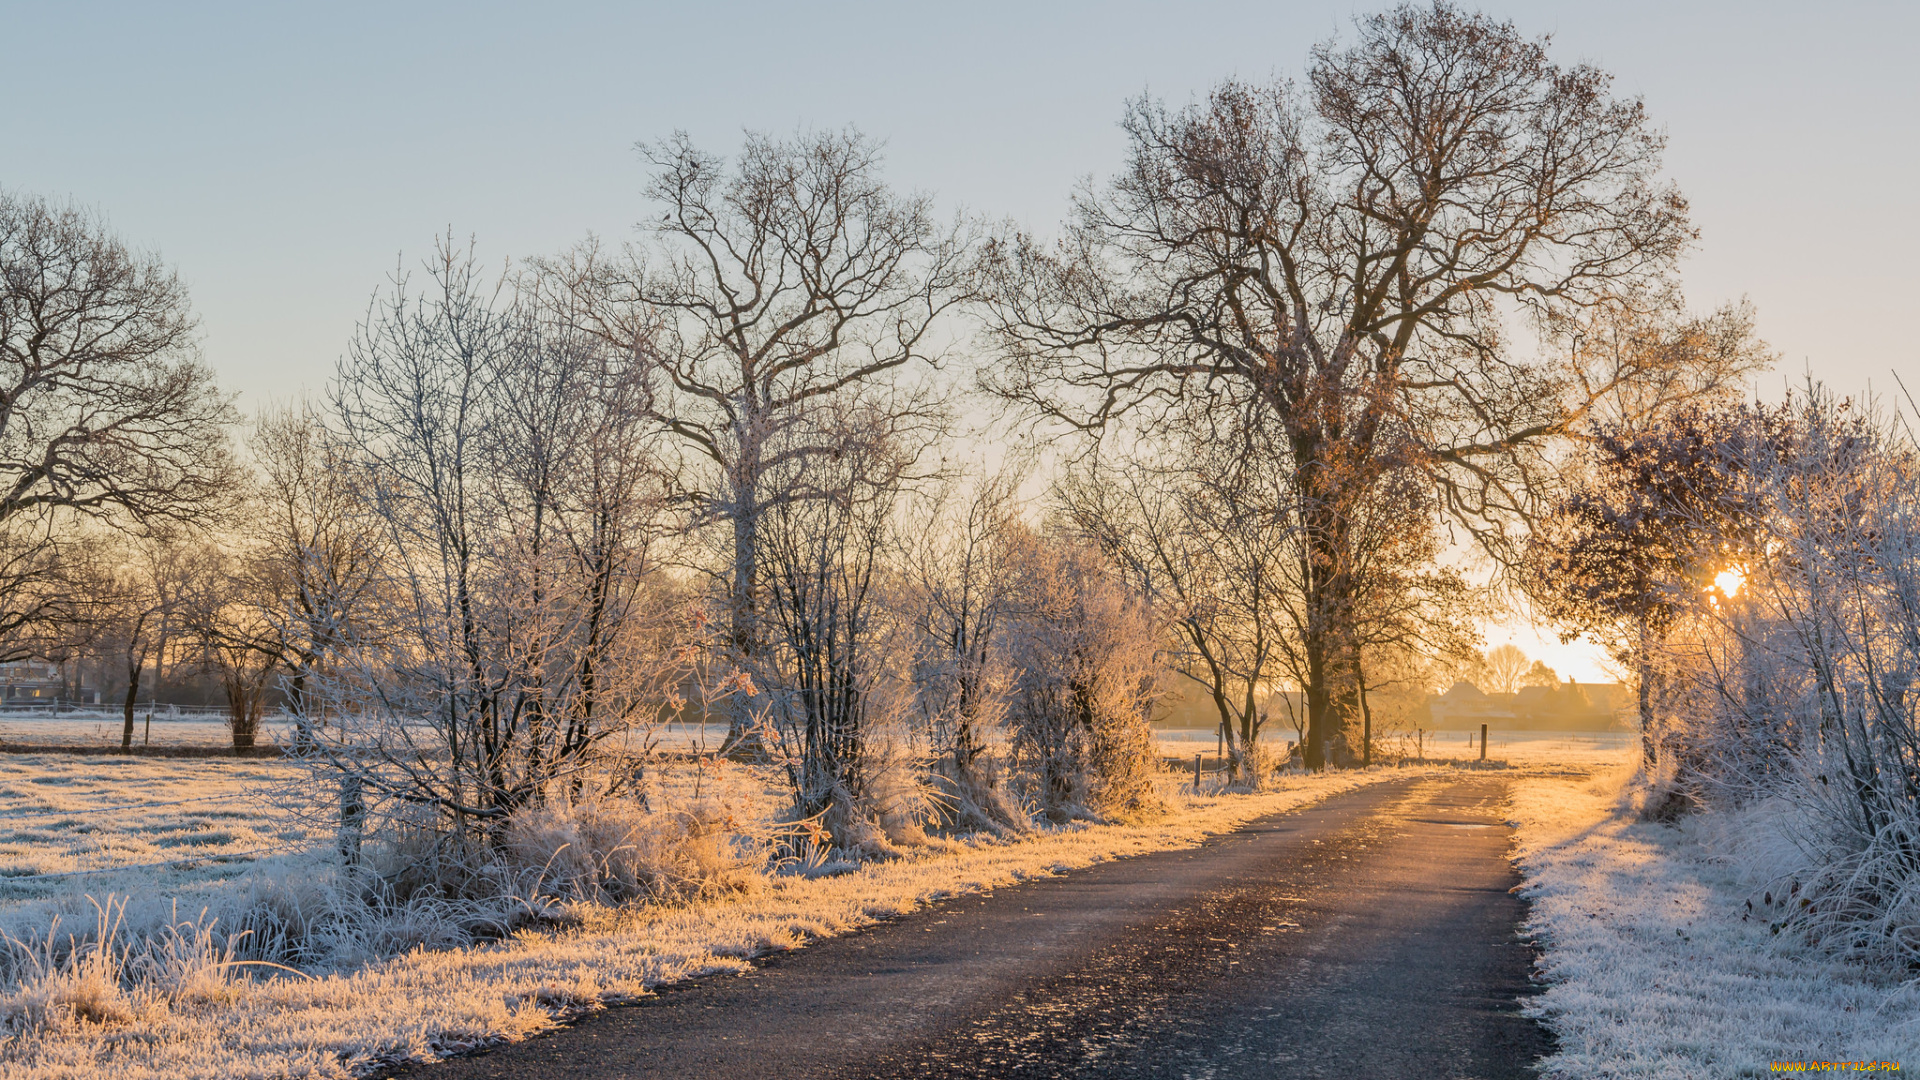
(1793, 682)
(611, 851)
(1086, 659)
(74, 958)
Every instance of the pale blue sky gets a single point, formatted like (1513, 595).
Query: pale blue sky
(283, 155)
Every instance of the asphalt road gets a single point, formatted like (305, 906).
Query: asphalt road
(1372, 935)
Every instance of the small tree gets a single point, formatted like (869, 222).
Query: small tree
(836, 659)
(520, 625)
(1201, 531)
(234, 640)
(142, 595)
(311, 551)
(1658, 513)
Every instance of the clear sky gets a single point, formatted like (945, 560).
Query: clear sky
(283, 156)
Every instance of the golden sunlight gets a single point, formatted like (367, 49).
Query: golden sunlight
(1729, 582)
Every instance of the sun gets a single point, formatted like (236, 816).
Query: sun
(1729, 582)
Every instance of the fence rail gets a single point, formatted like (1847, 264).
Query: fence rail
(62, 706)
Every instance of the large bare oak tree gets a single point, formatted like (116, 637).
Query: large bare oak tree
(1356, 256)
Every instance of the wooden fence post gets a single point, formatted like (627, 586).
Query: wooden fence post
(1196, 773)
(1483, 742)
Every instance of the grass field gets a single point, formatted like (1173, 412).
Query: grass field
(404, 1002)
(179, 820)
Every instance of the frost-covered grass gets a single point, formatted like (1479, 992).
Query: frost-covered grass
(69, 815)
(345, 1019)
(102, 728)
(1557, 748)
(1656, 964)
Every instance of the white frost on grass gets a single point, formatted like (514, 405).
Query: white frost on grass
(68, 813)
(427, 1004)
(1656, 967)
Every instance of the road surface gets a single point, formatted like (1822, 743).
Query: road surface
(1372, 935)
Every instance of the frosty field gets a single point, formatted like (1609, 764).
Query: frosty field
(102, 728)
(72, 819)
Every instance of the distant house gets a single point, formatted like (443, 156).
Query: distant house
(27, 681)
(1466, 705)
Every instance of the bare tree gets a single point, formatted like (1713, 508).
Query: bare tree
(312, 550)
(108, 411)
(54, 580)
(140, 596)
(1350, 259)
(1503, 669)
(958, 560)
(107, 415)
(520, 629)
(235, 640)
(577, 459)
(1203, 531)
(834, 651)
(768, 290)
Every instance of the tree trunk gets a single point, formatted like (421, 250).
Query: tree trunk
(303, 739)
(1248, 759)
(243, 708)
(1333, 700)
(1314, 753)
(745, 741)
(1366, 719)
(133, 697)
(1647, 754)
(1332, 664)
(1224, 727)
